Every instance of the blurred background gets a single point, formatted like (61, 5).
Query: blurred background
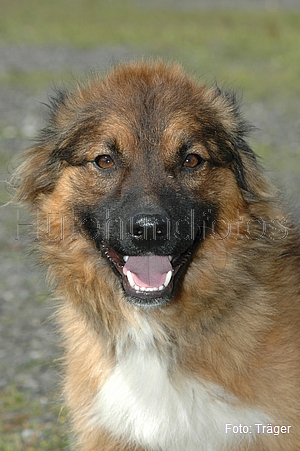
(251, 46)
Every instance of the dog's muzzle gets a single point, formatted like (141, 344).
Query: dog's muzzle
(150, 267)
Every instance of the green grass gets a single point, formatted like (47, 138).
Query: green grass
(237, 46)
(28, 424)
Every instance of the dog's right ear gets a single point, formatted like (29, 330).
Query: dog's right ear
(38, 173)
(35, 176)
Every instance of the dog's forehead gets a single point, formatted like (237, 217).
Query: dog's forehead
(142, 98)
(140, 110)
(148, 122)
(136, 136)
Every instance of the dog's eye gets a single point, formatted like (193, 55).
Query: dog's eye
(104, 162)
(192, 161)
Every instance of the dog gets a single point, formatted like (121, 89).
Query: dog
(176, 266)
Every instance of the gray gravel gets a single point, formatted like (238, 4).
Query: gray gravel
(57, 59)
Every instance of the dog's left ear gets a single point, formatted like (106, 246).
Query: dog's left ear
(248, 172)
(244, 164)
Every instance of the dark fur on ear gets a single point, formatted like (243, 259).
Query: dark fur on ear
(242, 152)
(43, 156)
(247, 170)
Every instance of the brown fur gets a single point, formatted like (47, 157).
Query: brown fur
(234, 318)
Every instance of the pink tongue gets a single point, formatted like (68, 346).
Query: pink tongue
(148, 271)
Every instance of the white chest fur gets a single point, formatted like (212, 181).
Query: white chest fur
(141, 404)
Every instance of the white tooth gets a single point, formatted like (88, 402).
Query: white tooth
(168, 278)
(142, 288)
(161, 287)
(137, 288)
(170, 257)
(130, 279)
(155, 289)
(125, 258)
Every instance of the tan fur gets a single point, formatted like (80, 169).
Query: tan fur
(235, 316)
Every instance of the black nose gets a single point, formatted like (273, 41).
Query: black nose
(150, 227)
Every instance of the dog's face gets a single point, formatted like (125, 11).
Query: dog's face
(150, 166)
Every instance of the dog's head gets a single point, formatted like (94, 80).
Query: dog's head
(149, 165)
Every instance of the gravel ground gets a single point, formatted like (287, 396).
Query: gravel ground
(27, 340)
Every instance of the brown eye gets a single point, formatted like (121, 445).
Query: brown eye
(192, 161)
(104, 162)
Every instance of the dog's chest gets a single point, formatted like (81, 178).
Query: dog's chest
(140, 403)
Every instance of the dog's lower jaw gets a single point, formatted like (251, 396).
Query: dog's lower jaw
(148, 299)
(148, 303)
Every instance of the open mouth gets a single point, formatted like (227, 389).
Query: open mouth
(147, 280)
